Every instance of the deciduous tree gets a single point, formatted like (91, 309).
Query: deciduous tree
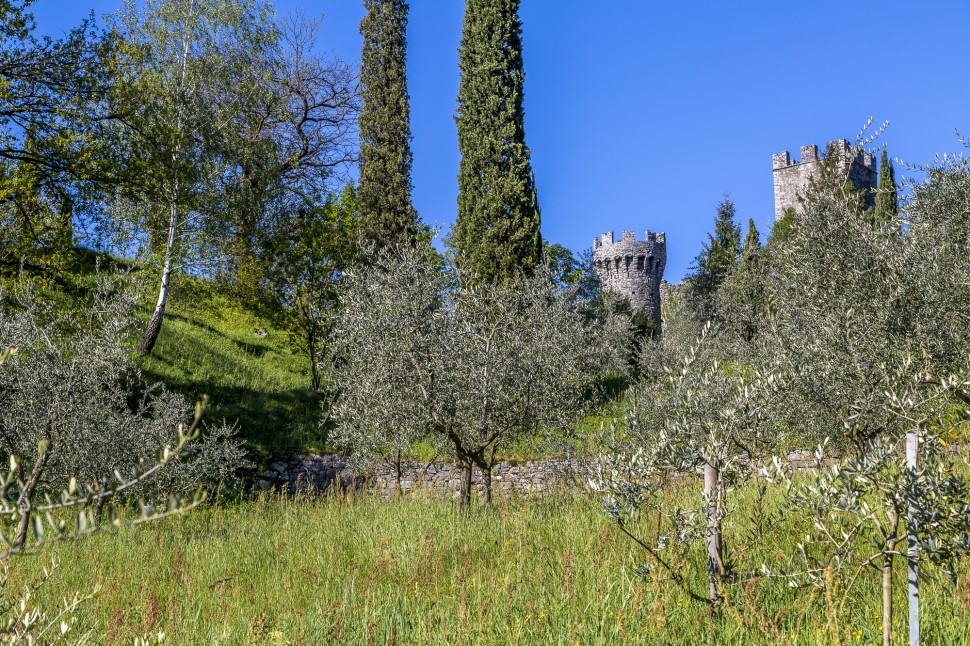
(184, 72)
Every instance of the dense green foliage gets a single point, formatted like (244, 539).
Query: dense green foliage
(51, 94)
(496, 233)
(202, 142)
(309, 259)
(384, 190)
(718, 257)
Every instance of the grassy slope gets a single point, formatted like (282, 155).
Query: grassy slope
(209, 345)
(368, 571)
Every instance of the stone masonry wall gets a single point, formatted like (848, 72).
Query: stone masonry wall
(633, 268)
(320, 473)
(312, 473)
(791, 178)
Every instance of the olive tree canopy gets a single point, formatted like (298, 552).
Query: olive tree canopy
(423, 353)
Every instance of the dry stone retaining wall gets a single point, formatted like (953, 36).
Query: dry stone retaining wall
(314, 472)
(319, 473)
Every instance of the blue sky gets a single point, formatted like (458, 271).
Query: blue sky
(641, 115)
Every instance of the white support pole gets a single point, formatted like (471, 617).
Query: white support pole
(912, 448)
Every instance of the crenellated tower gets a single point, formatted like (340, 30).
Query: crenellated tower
(633, 268)
(793, 177)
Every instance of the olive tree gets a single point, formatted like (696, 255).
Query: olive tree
(387, 329)
(30, 519)
(871, 319)
(873, 505)
(424, 352)
(862, 344)
(705, 415)
(40, 502)
(72, 385)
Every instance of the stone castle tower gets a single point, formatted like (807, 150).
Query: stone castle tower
(633, 268)
(792, 178)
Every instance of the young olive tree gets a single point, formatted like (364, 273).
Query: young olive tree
(869, 316)
(72, 385)
(703, 415)
(385, 334)
(874, 505)
(425, 352)
(38, 505)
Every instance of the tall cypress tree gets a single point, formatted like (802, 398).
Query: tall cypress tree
(497, 230)
(887, 205)
(741, 299)
(384, 193)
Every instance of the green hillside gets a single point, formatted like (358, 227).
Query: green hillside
(213, 344)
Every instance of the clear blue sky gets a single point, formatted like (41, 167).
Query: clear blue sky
(640, 114)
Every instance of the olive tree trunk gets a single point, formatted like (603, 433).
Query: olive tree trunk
(398, 475)
(487, 482)
(887, 600)
(715, 559)
(466, 483)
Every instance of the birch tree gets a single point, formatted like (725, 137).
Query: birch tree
(184, 70)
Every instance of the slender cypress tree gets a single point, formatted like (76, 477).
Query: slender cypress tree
(741, 300)
(887, 206)
(384, 193)
(497, 230)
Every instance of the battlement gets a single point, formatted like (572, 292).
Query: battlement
(810, 155)
(608, 239)
(792, 177)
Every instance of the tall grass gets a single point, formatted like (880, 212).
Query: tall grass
(365, 570)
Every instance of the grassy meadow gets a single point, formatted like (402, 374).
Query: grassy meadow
(360, 569)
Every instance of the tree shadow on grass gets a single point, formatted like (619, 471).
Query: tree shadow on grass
(274, 424)
(255, 348)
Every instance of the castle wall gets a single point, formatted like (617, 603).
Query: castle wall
(792, 178)
(633, 268)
